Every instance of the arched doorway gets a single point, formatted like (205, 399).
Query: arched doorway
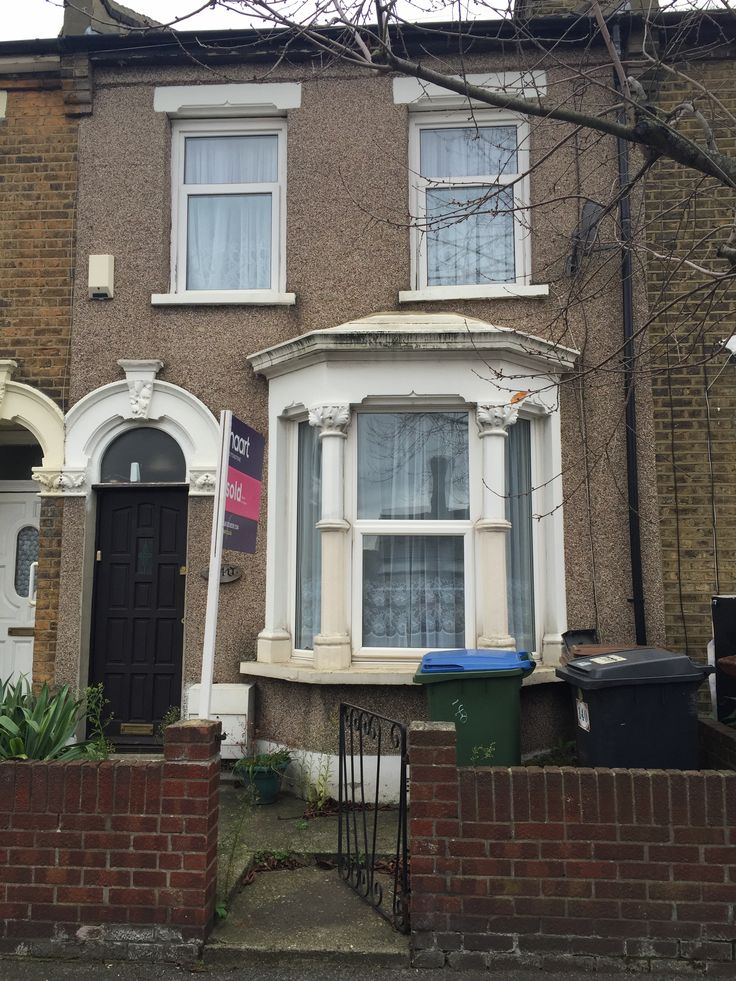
(137, 635)
(20, 509)
(31, 446)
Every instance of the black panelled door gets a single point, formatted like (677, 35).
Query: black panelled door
(137, 618)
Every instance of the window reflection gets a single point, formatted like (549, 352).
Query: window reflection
(158, 456)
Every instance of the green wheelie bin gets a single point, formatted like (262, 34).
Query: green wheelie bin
(479, 692)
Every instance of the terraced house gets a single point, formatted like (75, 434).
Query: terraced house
(450, 462)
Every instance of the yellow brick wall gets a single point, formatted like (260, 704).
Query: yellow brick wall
(38, 179)
(694, 387)
(38, 173)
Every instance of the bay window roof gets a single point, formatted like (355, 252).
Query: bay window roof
(388, 335)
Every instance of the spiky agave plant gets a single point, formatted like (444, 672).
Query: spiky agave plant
(39, 726)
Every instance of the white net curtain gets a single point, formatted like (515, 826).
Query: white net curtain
(229, 234)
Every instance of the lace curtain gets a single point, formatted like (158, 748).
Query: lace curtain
(229, 235)
(308, 550)
(469, 229)
(413, 591)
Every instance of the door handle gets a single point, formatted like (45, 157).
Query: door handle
(32, 583)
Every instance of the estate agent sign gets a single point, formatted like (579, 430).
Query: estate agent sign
(237, 505)
(243, 492)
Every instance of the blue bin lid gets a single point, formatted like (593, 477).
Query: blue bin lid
(452, 662)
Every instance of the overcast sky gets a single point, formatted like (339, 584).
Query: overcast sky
(42, 18)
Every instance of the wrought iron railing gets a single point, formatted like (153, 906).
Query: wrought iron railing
(379, 873)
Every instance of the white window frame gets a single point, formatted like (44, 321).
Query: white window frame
(521, 285)
(363, 527)
(402, 656)
(181, 192)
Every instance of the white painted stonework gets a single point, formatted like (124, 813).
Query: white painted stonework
(233, 99)
(409, 361)
(139, 399)
(26, 406)
(418, 94)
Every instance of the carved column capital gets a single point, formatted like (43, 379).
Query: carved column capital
(202, 482)
(331, 419)
(53, 483)
(495, 418)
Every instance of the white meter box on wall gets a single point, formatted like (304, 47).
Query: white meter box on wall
(233, 705)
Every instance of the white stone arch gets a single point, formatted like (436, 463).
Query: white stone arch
(140, 399)
(41, 416)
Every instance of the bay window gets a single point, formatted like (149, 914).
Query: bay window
(402, 522)
(520, 541)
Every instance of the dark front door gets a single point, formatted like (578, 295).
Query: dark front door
(138, 610)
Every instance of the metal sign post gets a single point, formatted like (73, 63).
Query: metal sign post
(213, 583)
(234, 524)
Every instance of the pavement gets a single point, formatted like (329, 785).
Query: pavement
(257, 968)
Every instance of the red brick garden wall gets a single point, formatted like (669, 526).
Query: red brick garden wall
(112, 857)
(562, 867)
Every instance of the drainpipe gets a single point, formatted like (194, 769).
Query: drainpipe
(627, 296)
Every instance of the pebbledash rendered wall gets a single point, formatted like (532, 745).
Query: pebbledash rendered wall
(561, 867)
(115, 858)
(341, 265)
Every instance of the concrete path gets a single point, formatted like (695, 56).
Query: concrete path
(307, 910)
(279, 829)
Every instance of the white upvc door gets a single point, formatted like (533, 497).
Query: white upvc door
(19, 515)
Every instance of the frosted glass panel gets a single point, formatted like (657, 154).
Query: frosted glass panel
(231, 159)
(308, 548)
(26, 554)
(413, 591)
(469, 236)
(520, 553)
(229, 242)
(468, 151)
(413, 465)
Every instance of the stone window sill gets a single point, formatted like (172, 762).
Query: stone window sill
(302, 673)
(495, 291)
(261, 298)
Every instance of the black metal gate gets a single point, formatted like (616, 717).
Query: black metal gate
(382, 879)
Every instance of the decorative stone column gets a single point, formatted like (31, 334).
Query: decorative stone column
(493, 526)
(332, 648)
